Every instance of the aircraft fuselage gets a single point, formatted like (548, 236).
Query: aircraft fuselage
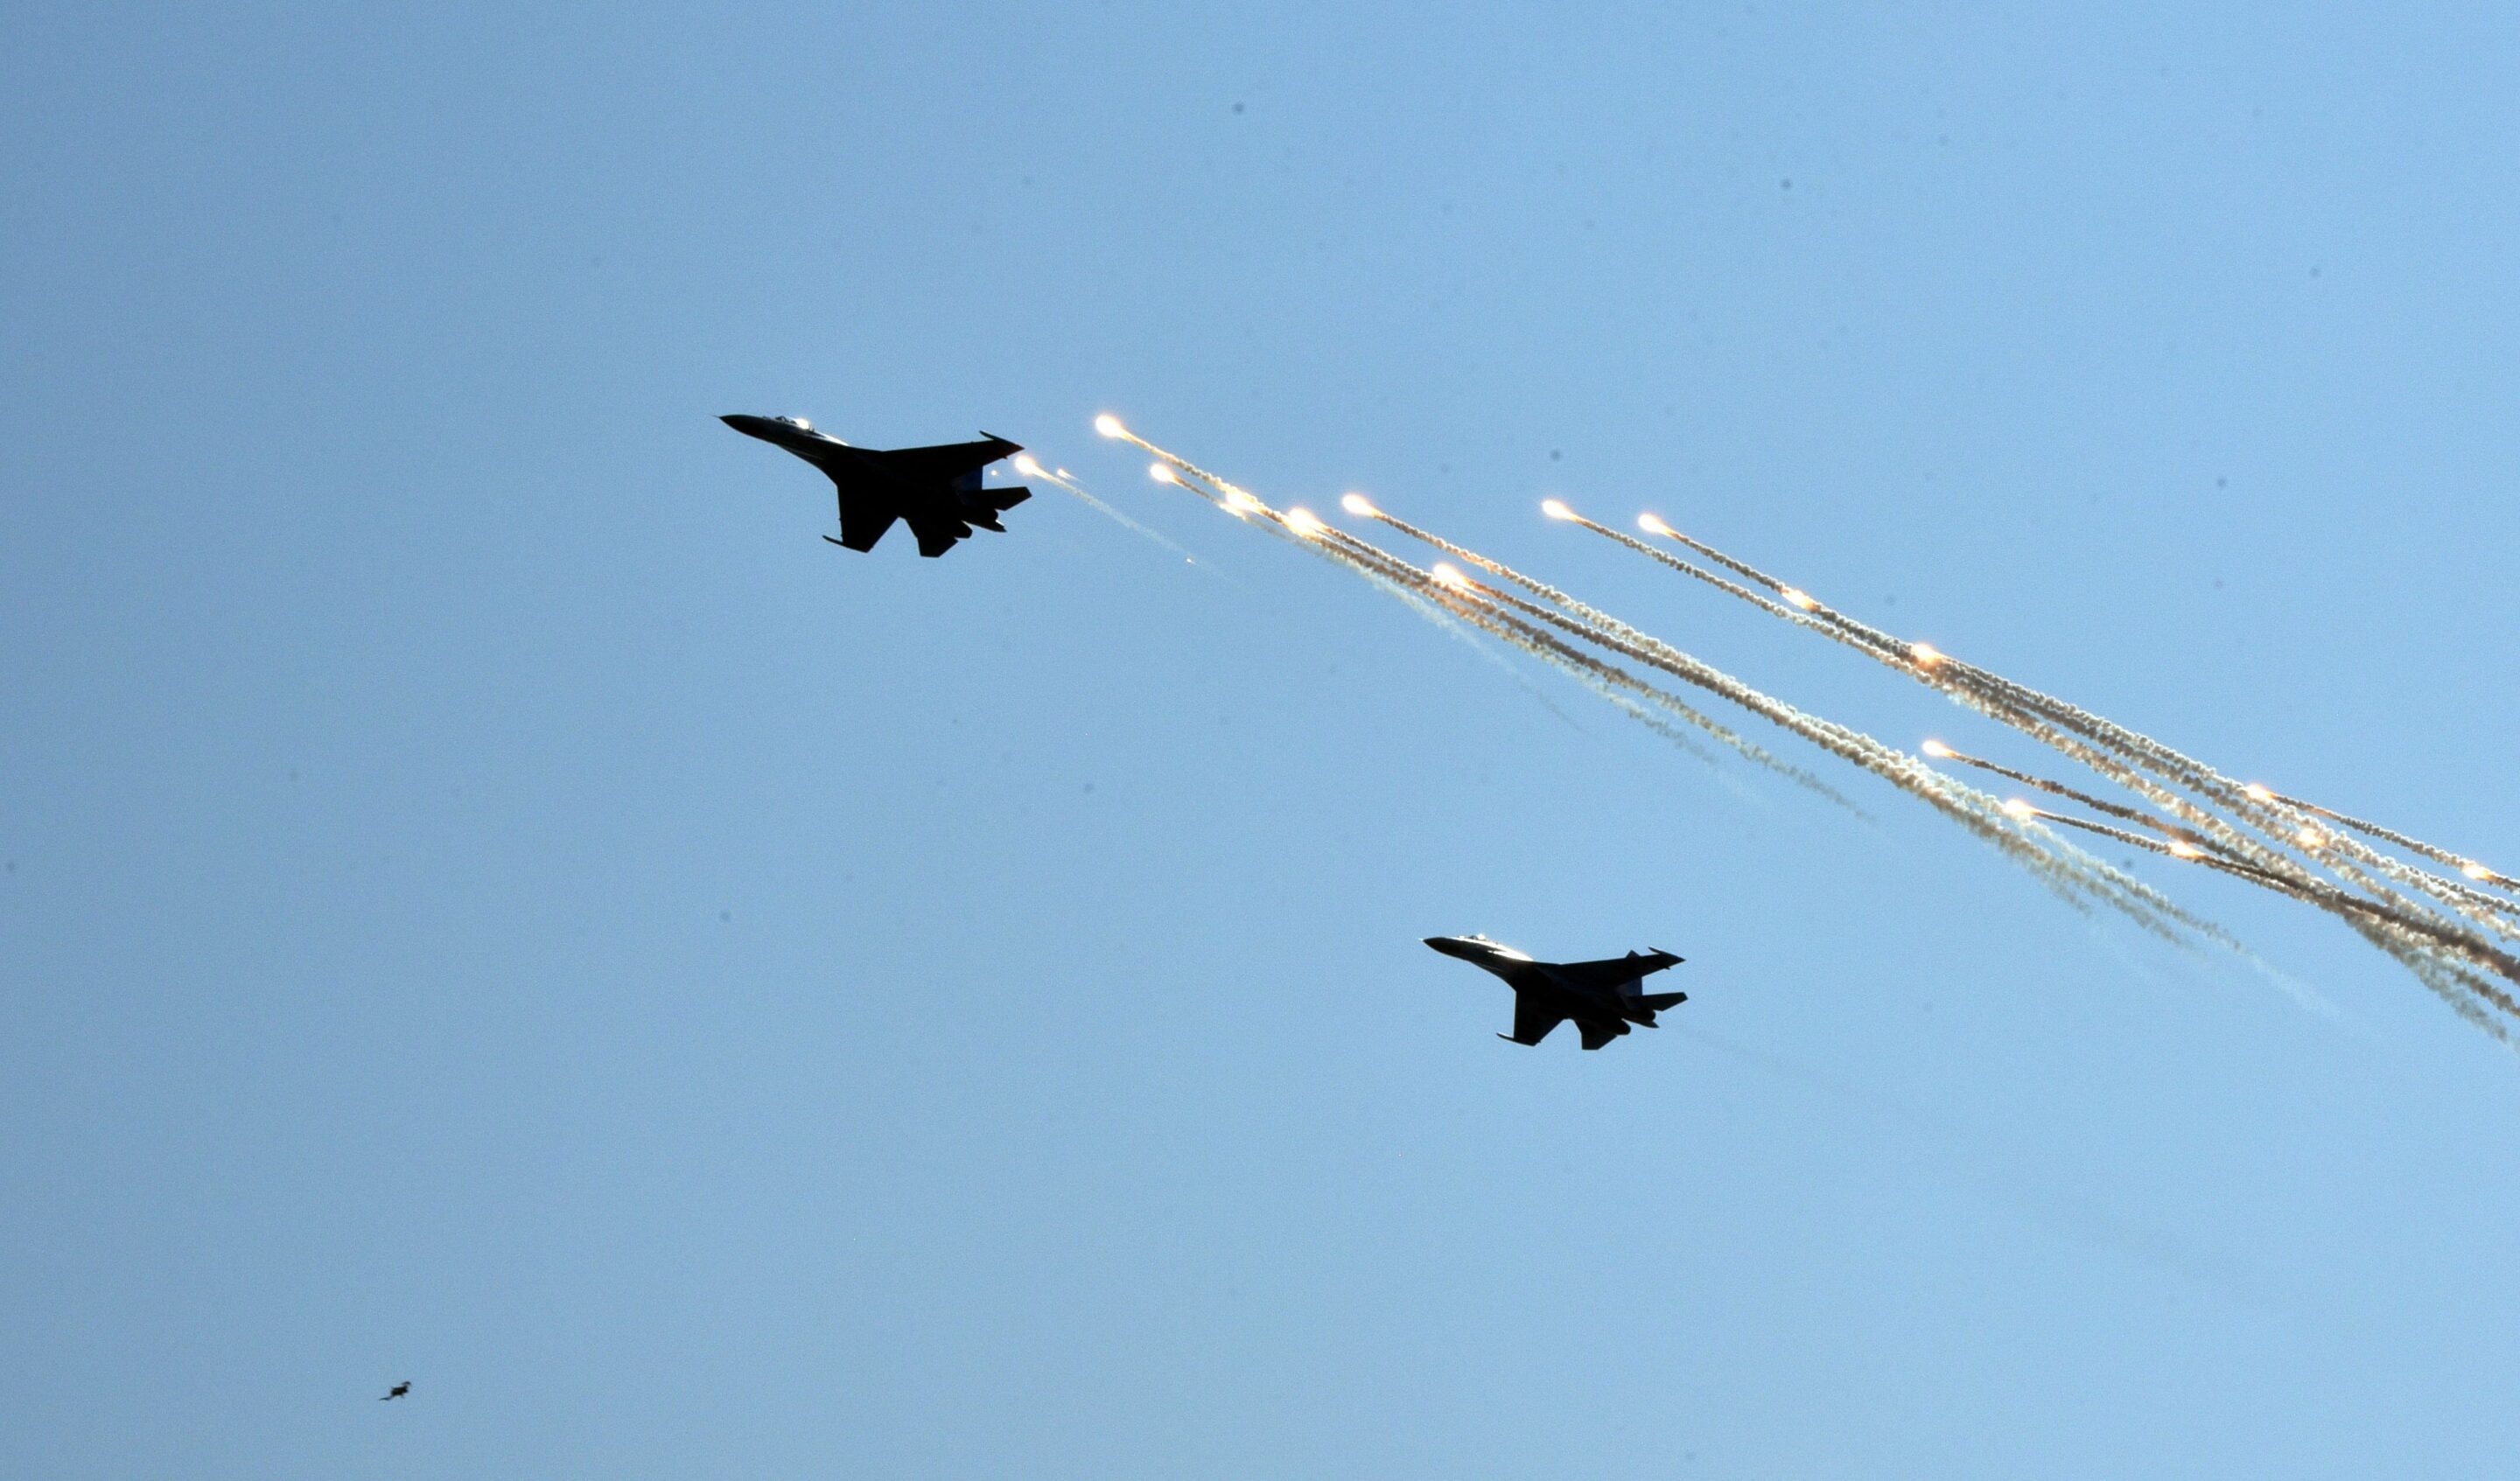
(1603, 997)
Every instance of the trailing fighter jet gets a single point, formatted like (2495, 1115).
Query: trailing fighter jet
(936, 490)
(1601, 997)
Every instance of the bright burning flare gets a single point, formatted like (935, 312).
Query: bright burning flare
(1109, 426)
(1026, 466)
(2015, 807)
(2259, 793)
(2181, 848)
(1556, 508)
(1241, 503)
(1162, 472)
(1925, 653)
(1798, 597)
(2475, 870)
(1357, 505)
(1305, 522)
(1937, 749)
(1652, 524)
(1449, 575)
(2311, 837)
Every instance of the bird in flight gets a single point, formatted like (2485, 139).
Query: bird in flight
(400, 1390)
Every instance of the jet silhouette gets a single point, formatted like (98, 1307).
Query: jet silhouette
(1601, 997)
(400, 1389)
(935, 489)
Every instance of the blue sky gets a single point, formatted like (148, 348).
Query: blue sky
(492, 900)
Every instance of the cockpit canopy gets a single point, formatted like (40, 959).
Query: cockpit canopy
(799, 423)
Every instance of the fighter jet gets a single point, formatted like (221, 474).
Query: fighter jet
(936, 490)
(1601, 997)
(399, 1390)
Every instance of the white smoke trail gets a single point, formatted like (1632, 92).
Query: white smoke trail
(2255, 806)
(2405, 925)
(2070, 870)
(1941, 752)
(2467, 868)
(1059, 478)
(2409, 928)
(1603, 678)
(1968, 683)
(2420, 945)
(2444, 957)
(1610, 681)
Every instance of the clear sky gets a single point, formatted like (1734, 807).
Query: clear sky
(493, 901)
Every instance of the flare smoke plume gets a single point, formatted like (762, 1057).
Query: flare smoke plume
(2448, 932)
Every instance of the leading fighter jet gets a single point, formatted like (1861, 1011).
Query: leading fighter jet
(936, 490)
(1601, 997)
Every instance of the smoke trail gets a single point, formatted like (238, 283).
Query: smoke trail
(2254, 806)
(1603, 678)
(2360, 913)
(1060, 479)
(2326, 897)
(1421, 589)
(2405, 933)
(2407, 927)
(1608, 680)
(2446, 958)
(1941, 752)
(1412, 587)
(2410, 931)
(2467, 867)
(1798, 607)
(1969, 684)
(2070, 869)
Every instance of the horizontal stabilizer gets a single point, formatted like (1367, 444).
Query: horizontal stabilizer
(1658, 1001)
(982, 506)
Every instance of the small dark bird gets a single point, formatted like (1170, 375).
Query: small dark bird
(400, 1390)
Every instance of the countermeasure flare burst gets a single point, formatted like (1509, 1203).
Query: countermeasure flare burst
(2246, 832)
(1059, 478)
(2072, 873)
(2220, 813)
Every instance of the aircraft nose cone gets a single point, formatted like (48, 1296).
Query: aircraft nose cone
(1453, 946)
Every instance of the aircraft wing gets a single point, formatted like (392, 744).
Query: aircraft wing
(864, 517)
(955, 464)
(1597, 1034)
(1532, 1021)
(1614, 972)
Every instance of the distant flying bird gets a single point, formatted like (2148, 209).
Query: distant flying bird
(1602, 996)
(936, 490)
(400, 1390)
